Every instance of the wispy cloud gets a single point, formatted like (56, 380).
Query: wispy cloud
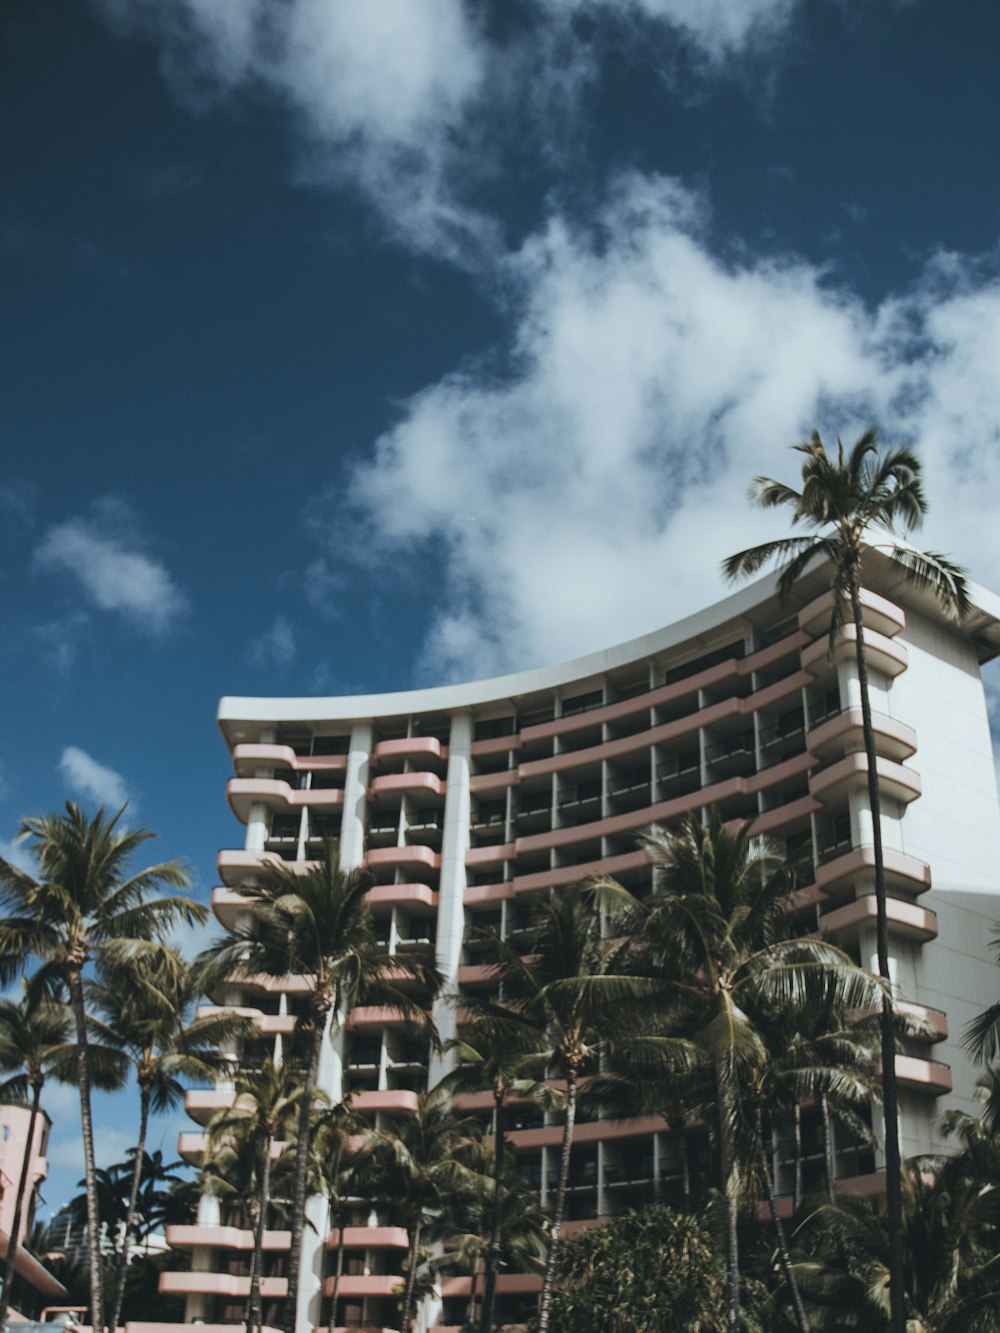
(652, 381)
(94, 781)
(414, 101)
(104, 555)
(275, 647)
(18, 507)
(17, 854)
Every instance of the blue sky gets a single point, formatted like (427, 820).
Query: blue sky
(349, 347)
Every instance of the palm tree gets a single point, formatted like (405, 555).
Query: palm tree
(85, 906)
(498, 1050)
(316, 925)
(35, 1036)
(573, 986)
(422, 1161)
(982, 1034)
(848, 503)
(262, 1114)
(951, 1274)
(341, 1155)
(143, 1007)
(713, 936)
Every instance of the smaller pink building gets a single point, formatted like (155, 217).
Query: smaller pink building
(14, 1121)
(40, 1288)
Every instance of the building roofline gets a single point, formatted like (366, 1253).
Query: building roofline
(755, 604)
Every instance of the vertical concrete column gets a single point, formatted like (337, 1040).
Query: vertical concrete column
(256, 827)
(451, 908)
(331, 1062)
(352, 828)
(314, 1233)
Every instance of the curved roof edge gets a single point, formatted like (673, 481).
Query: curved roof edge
(758, 597)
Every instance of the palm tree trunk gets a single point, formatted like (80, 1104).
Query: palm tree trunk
(411, 1278)
(22, 1184)
(299, 1175)
(75, 986)
(140, 1149)
(256, 1321)
(338, 1270)
(779, 1232)
(557, 1215)
(470, 1309)
(828, 1157)
(493, 1253)
(797, 1130)
(890, 1095)
(685, 1166)
(727, 1170)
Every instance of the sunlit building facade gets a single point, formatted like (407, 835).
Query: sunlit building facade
(465, 800)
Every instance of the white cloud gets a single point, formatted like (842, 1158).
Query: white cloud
(18, 855)
(414, 101)
(591, 493)
(86, 777)
(275, 647)
(104, 555)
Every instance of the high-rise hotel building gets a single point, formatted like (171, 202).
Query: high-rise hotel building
(465, 800)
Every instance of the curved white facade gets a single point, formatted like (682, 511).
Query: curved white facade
(463, 800)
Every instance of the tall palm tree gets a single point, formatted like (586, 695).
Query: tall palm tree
(573, 985)
(858, 499)
(262, 1114)
(714, 936)
(317, 925)
(143, 1006)
(500, 1051)
(35, 1037)
(422, 1160)
(951, 1273)
(85, 906)
(341, 1153)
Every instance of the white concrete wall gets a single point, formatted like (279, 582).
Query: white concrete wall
(955, 827)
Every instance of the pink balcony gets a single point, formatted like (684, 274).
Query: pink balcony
(242, 793)
(934, 1021)
(505, 777)
(553, 878)
(421, 895)
(508, 1284)
(928, 1076)
(248, 757)
(223, 1238)
(415, 855)
(235, 865)
(893, 739)
(192, 1146)
(427, 784)
(376, 1015)
(883, 654)
(410, 747)
(476, 974)
(905, 918)
(269, 1025)
(202, 1103)
(831, 784)
(369, 1238)
(592, 1131)
(219, 1284)
(878, 612)
(371, 1284)
(390, 1100)
(487, 893)
(901, 871)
